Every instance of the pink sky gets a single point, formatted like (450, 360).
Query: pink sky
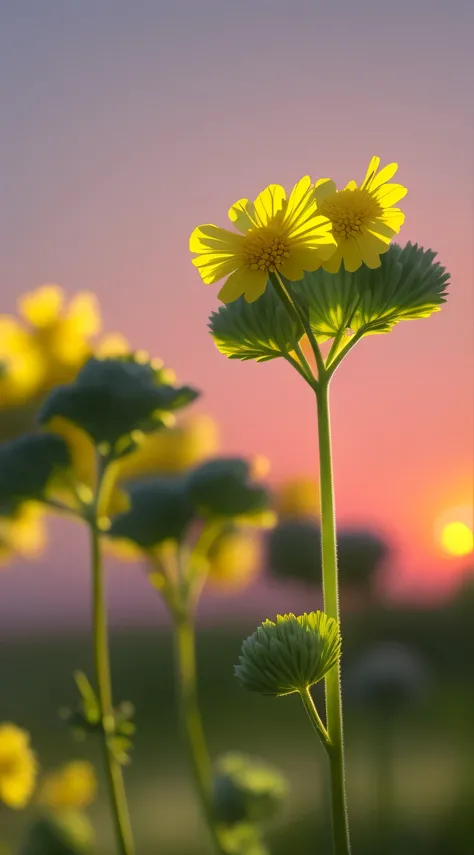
(123, 131)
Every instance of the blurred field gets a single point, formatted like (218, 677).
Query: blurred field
(433, 781)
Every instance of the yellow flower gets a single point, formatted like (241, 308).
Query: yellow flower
(234, 560)
(60, 332)
(72, 786)
(18, 766)
(298, 498)
(277, 234)
(363, 218)
(23, 532)
(20, 370)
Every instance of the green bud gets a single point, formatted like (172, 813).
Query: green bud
(112, 398)
(27, 465)
(289, 655)
(222, 487)
(242, 839)
(246, 790)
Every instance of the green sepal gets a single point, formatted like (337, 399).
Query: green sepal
(222, 487)
(262, 330)
(408, 285)
(160, 509)
(112, 398)
(246, 789)
(289, 654)
(27, 465)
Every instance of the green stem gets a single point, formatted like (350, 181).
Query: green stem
(331, 607)
(192, 723)
(118, 798)
(293, 309)
(314, 717)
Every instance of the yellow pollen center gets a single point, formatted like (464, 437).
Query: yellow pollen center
(349, 211)
(265, 251)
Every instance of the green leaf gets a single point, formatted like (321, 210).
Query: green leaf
(409, 284)
(160, 509)
(223, 488)
(262, 330)
(27, 465)
(112, 398)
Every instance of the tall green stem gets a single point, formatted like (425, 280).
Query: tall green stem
(118, 798)
(191, 721)
(331, 607)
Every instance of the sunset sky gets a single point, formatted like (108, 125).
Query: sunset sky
(124, 125)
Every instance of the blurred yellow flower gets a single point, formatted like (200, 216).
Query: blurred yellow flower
(297, 498)
(72, 786)
(49, 342)
(18, 766)
(23, 532)
(363, 218)
(234, 560)
(277, 234)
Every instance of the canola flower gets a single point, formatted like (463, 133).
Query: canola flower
(274, 235)
(71, 786)
(363, 218)
(22, 532)
(18, 766)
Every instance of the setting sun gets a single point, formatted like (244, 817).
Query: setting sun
(457, 538)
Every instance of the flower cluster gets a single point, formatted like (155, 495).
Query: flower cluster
(316, 226)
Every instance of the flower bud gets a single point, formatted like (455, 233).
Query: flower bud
(246, 790)
(290, 654)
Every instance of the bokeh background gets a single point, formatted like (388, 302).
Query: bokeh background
(125, 125)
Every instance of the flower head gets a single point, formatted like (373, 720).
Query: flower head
(274, 234)
(72, 786)
(234, 560)
(290, 654)
(363, 218)
(22, 531)
(18, 766)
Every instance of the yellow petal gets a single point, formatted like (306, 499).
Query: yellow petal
(301, 204)
(214, 267)
(242, 215)
(269, 203)
(43, 306)
(324, 189)
(370, 252)
(112, 344)
(389, 194)
(84, 313)
(332, 264)
(384, 175)
(299, 261)
(393, 218)
(256, 288)
(209, 238)
(351, 255)
(234, 287)
(371, 172)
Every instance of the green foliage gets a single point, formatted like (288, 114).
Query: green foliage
(160, 509)
(261, 330)
(409, 284)
(112, 398)
(290, 654)
(223, 488)
(27, 465)
(69, 833)
(164, 508)
(247, 790)
(86, 719)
